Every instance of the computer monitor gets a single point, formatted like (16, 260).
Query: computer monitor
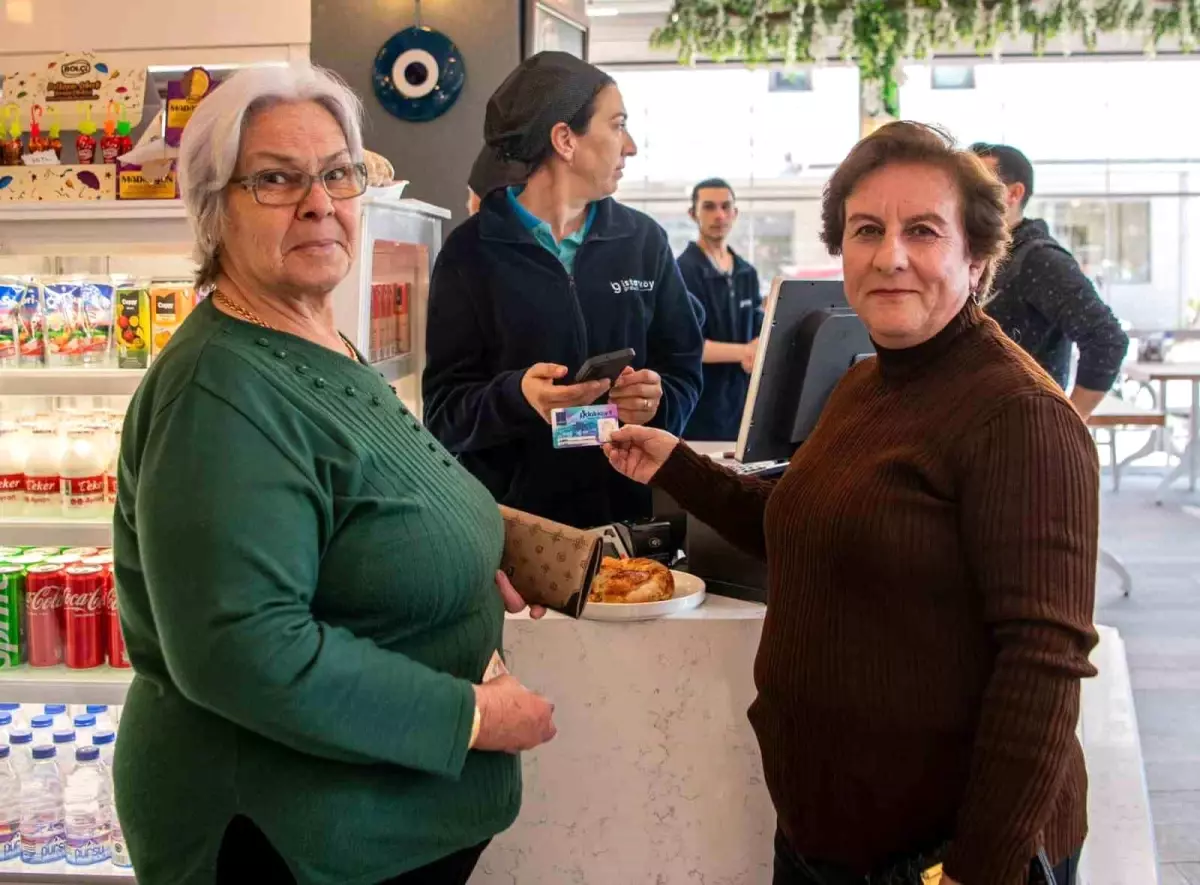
(810, 339)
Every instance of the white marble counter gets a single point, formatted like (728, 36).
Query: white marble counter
(655, 775)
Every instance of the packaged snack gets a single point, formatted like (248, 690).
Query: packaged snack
(33, 328)
(11, 293)
(170, 303)
(133, 327)
(96, 324)
(63, 329)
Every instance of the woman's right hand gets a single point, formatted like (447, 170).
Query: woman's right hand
(639, 452)
(511, 717)
(545, 396)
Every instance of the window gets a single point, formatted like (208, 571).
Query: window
(791, 81)
(952, 77)
(1109, 238)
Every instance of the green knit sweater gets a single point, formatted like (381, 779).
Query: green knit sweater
(306, 588)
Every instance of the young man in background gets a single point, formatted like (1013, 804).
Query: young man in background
(1043, 300)
(726, 287)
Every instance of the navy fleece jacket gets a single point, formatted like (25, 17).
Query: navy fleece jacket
(499, 303)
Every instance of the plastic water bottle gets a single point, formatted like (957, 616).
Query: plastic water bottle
(65, 744)
(43, 730)
(19, 720)
(85, 727)
(42, 831)
(10, 808)
(87, 801)
(59, 712)
(5, 727)
(21, 742)
(107, 742)
(104, 718)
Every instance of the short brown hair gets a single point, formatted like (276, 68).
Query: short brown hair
(982, 196)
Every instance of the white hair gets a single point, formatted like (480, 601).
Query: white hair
(212, 140)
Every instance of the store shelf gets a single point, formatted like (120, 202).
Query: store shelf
(55, 531)
(63, 874)
(70, 382)
(93, 210)
(394, 368)
(58, 685)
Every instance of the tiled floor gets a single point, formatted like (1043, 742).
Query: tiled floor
(1160, 624)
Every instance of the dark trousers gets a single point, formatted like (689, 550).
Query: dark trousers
(247, 857)
(791, 869)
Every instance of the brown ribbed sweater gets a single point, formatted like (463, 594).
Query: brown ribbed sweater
(931, 555)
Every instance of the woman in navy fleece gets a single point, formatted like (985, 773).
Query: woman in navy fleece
(543, 277)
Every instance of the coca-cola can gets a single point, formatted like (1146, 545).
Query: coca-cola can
(81, 552)
(114, 639)
(45, 586)
(105, 560)
(63, 560)
(83, 603)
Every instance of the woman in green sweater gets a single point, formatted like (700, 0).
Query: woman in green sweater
(931, 556)
(308, 582)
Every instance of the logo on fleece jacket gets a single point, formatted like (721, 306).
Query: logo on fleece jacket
(619, 286)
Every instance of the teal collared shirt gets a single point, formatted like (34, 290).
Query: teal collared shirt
(564, 251)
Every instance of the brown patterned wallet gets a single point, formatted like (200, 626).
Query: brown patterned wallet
(549, 563)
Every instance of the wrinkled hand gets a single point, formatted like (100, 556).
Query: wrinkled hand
(637, 395)
(513, 602)
(749, 356)
(545, 396)
(511, 717)
(639, 452)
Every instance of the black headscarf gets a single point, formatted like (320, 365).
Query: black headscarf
(546, 89)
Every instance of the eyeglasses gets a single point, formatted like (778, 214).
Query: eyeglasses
(288, 187)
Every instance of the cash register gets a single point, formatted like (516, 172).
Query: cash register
(810, 339)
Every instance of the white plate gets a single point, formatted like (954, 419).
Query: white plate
(689, 593)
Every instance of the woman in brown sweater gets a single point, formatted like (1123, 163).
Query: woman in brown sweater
(931, 554)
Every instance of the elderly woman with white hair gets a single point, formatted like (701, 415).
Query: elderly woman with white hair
(308, 581)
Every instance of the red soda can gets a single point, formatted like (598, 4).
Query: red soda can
(114, 644)
(44, 589)
(81, 552)
(83, 602)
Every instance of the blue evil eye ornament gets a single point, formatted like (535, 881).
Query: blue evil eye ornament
(418, 74)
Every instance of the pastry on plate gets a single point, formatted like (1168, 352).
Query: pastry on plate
(631, 581)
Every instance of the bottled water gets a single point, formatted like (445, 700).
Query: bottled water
(10, 808)
(59, 711)
(43, 730)
(42, 832)
(5, 727)
(104, 718)
(64, 743)
(85, 727)
(88, 810)
(19, 719)
(21, 743)
(107, 742)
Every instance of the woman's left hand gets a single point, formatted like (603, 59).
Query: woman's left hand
(637, 395)
(512, 599)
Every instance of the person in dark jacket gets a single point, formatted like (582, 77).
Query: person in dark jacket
(1043, 300)
(727, 288)
(543, 277)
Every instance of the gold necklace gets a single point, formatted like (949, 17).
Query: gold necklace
(251, 317)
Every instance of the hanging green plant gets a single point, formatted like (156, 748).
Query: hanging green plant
(878, 34)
